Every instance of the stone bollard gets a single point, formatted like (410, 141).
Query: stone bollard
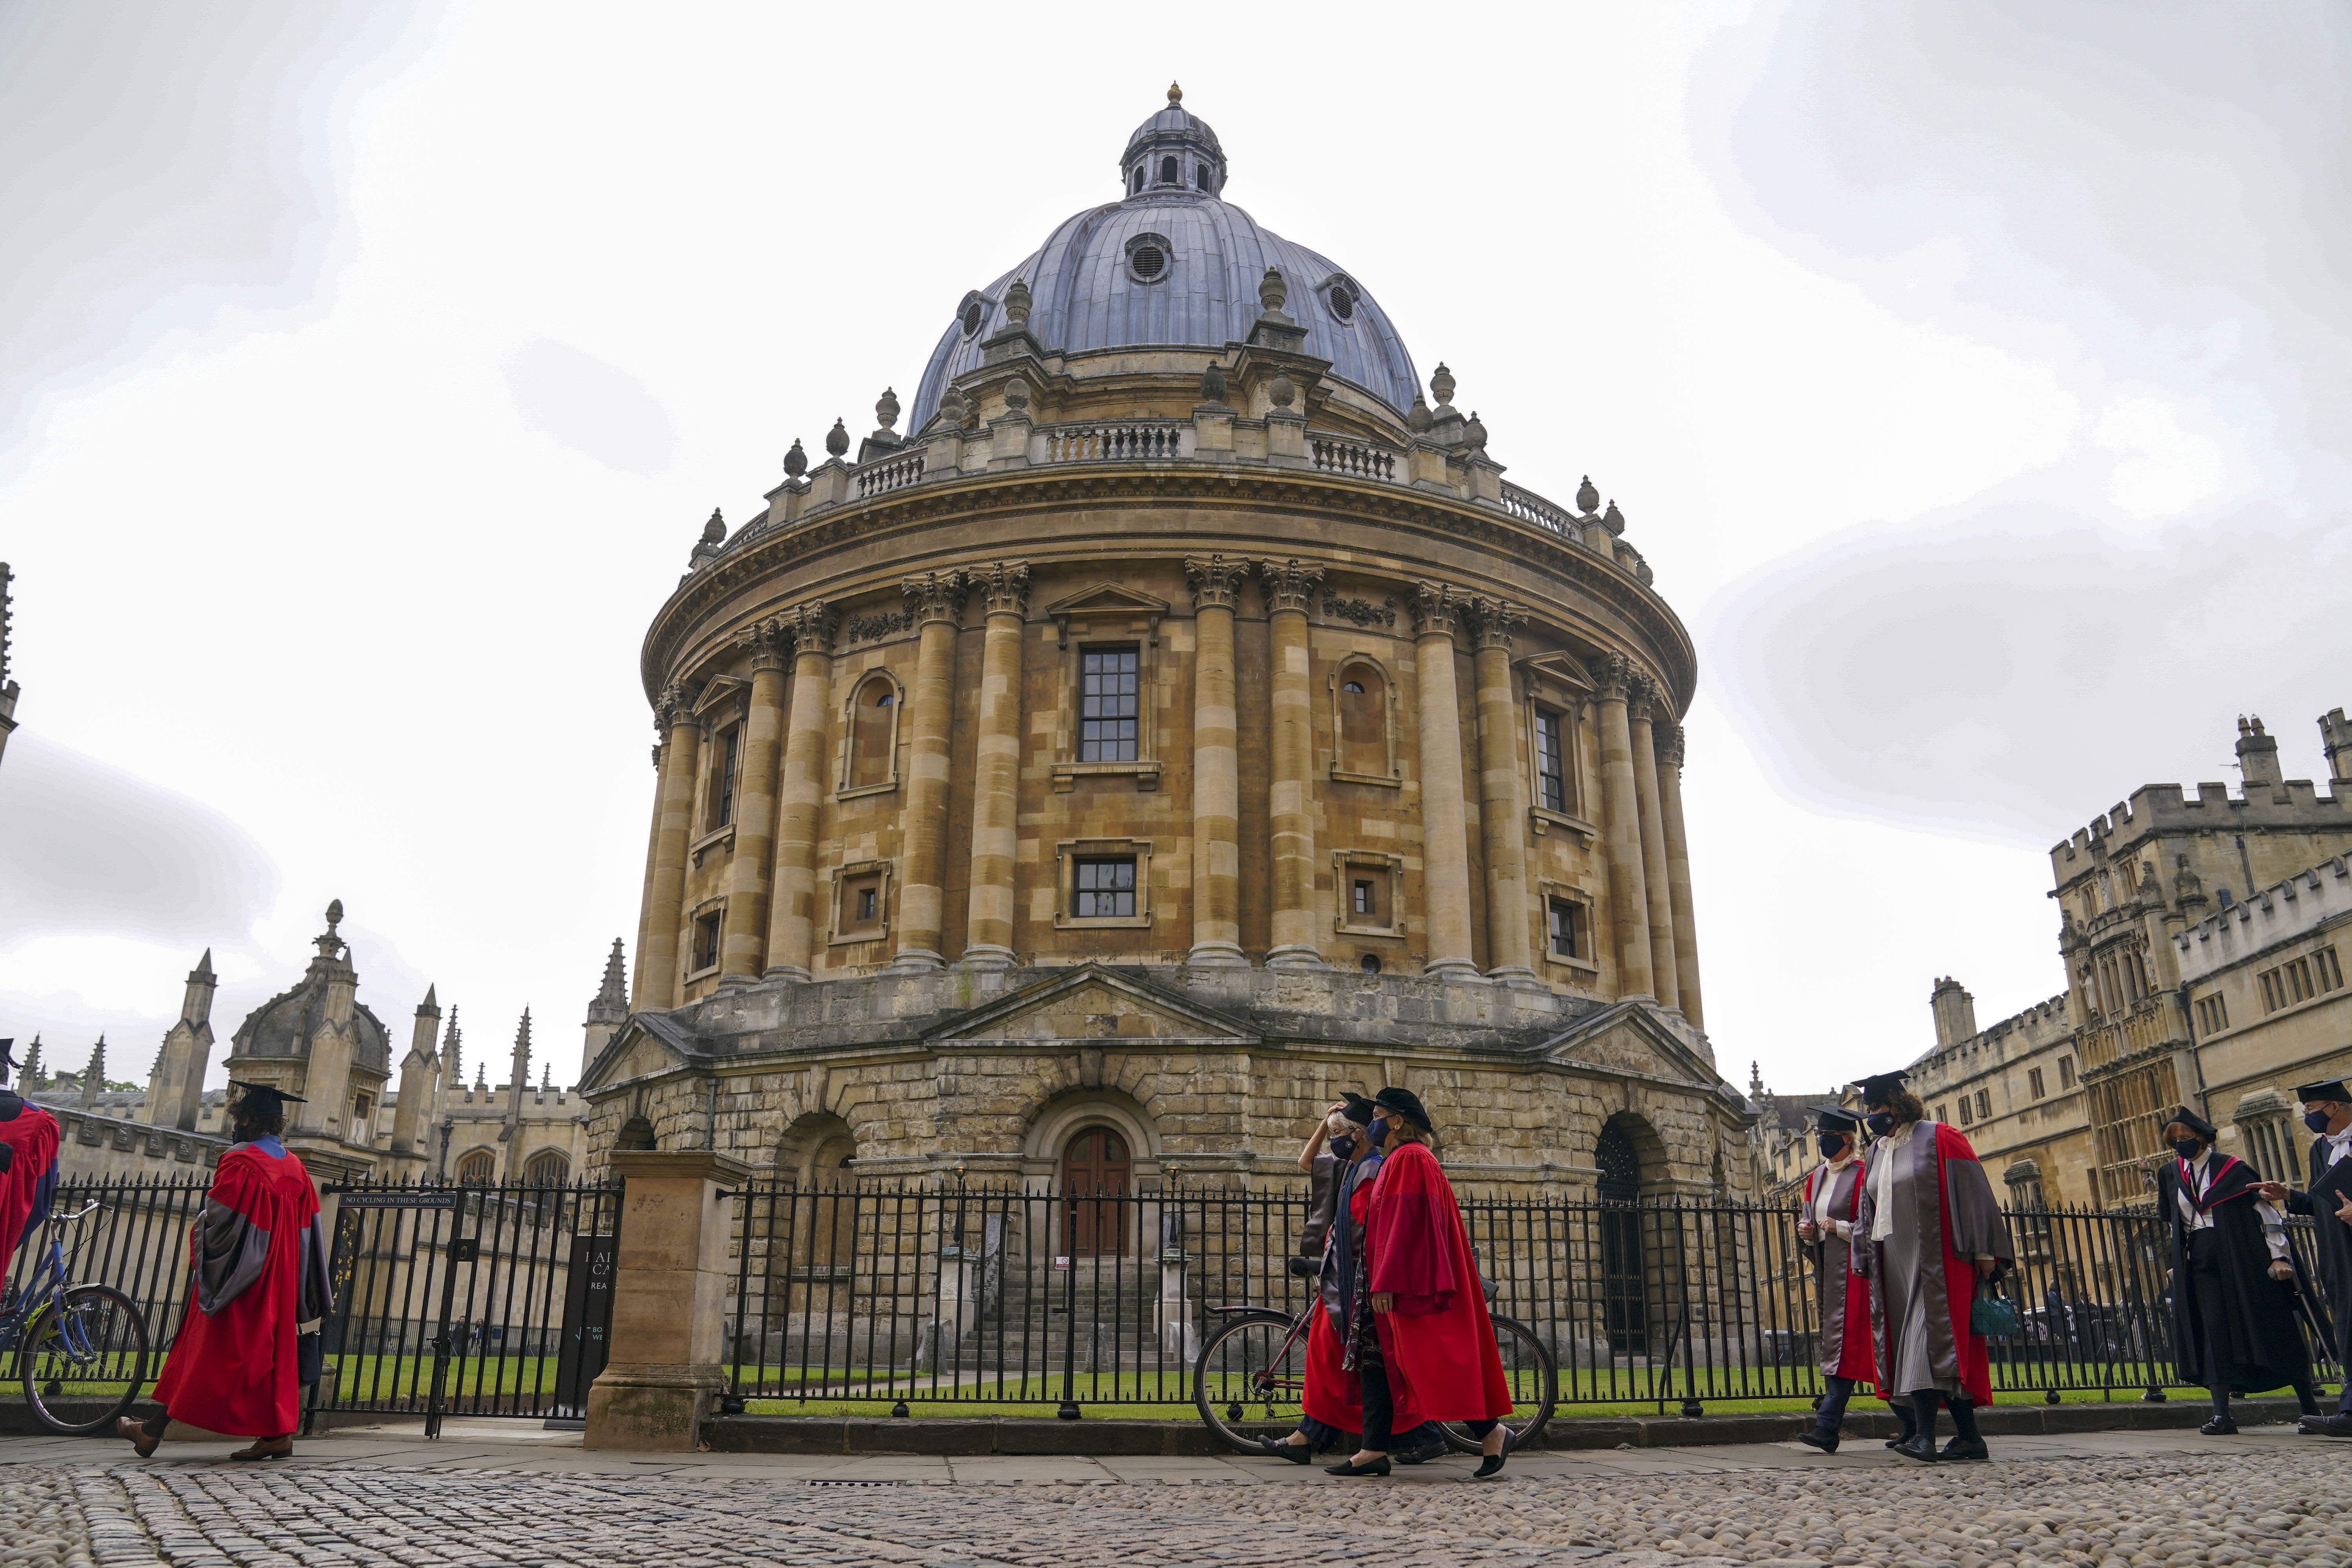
(669, 1286)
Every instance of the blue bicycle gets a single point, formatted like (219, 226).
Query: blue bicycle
(80, 1350)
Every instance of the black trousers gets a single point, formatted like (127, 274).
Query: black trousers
(1380, 1415)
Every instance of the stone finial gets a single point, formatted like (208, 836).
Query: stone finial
(1440, 386)
(1437, 609)
(1272, 290)
(955, 408)
(1216, 581)
(1282, 390)
(886, 409)
(1004, 586)
(1587, 498)
(836, 440)
(715, 531)
(1474, 434)
(1290, 585)
(1418, 418)
(334, 915)
(1612, 520)
(795, 460)
(1175, 93)
(1016, 396)
(1016, 305)
(1212, 384)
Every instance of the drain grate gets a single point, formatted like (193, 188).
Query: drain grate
(824, 1483)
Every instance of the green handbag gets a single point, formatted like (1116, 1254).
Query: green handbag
(1993, 1315)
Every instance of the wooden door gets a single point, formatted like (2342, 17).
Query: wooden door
(1094, 1179)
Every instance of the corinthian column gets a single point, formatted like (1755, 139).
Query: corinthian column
(996, 783)
(1629, 901)
(743, 940)
(1679, 882)
(1216, 765)
(1643, 698)
(1502, 800)
(1290, 588)
(653, 853)
(800, 794)
(936, 600)
(658, 969)
(1437, 614)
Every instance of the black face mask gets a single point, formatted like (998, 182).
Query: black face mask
(1377, 1134)
(2316, 1120)
(1832, 1144)
(2187, 1148)
(1880, 1123)
(1343, 1146)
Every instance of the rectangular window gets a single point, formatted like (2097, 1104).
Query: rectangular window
(1984, 1105)
(1967, 1114)
(1360, 898)
(1106, 706)
(2066, 1072)
(861, 903)
(725, 755)
(2298, 979)
(1944, 1112)
(1106, 889)
(2213, 1013)
(706, 941)
(2034, 1082)
(1551, 762)
(1560, 916)
(2323, 964)
(866, 906)
(2274, 986)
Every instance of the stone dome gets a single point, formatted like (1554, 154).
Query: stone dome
(1173, 264)
(282, 1027)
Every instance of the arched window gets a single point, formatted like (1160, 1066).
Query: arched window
(1201, 176)
(1136, 183)
(1363, 746)
(873, 734)
(478, 1168)
(548, 1169)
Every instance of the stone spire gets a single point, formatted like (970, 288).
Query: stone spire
(453, 1071)
(28, 1077)
(175, 1085)
(93, 1077)
(412, 1113)
(607, 1011)
(519, 1073)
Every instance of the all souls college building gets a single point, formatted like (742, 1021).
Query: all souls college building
(1171, 718)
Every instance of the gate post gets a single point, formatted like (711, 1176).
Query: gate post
(670, 1288)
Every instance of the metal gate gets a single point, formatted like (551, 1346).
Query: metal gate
(474, 1301)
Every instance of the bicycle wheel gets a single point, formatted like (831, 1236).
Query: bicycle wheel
(1250, 1377)
(1533, 1379)
(82, 1366)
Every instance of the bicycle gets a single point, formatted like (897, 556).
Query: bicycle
(1258, 1357)
(73, 1343)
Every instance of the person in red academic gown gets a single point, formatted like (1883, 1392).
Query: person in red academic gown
(29, 1163)
(260, 1274)
(1831, 1201)
(1928, 1235)
(1432, 1355)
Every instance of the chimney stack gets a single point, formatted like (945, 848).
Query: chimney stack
(1956, 1013)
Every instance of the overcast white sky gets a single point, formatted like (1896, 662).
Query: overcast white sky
(1977, 379)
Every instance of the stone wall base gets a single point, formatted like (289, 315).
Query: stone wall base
(650, 1406)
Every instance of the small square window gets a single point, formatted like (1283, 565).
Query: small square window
(1561, 923)
(1104, 889)
(861, 903)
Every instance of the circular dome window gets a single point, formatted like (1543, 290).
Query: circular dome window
(973, 315)
(1147, 257)
(1343, 301)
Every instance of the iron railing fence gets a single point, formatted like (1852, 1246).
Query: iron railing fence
(936, 1296)
(137, 1241)
(469, 1300)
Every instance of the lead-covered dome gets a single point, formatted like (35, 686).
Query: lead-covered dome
(1173, 264)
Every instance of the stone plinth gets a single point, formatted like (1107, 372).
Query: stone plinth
(667, 1298)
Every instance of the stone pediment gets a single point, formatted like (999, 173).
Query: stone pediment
(721, 689)
(1111, 601)
(1092, 1004)
(1556, 676)
(645, 1045)
(1630, 1037)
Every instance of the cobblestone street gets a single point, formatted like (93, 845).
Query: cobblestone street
(345, 1502)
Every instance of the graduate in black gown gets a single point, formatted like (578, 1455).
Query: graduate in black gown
(2327, 1195)
(2234, 1277)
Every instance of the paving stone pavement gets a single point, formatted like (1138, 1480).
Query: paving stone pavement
(480, 1499)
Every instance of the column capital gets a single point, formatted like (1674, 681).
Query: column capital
(1216, 581)
(936, 596)
(1669, 737)
(1616, 674)
(812, 627)
(1004, 586)
(1642, 695)
(1438, 610)
(675, 707)
(768, 643)
(1494, 619)
(1290, 585)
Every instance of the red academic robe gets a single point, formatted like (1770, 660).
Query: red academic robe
(1967, 1221)
(1845, 1294)
(1439, 1343)
(260, 1269)
(30, 1180)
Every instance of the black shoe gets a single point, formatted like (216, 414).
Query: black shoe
(1966, 1449)
(1492, 1464)
(1296, 1453)
(2220, 1426)
(1826, 1442)
(1917, 1447)
(1379, 1466)
(1418, 1456)
(2336, 1425)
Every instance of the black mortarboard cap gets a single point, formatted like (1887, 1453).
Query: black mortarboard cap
(7, 1056)
(1879, 1085)
(263, 1096)
(1356, 1110)
(2190, 1119)
(1829, 1119)
(2332, 1089)
(1406, 1104)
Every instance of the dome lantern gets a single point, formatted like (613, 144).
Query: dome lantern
(1174, 150)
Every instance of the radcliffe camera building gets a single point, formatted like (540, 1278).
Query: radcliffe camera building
(1170, 717)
